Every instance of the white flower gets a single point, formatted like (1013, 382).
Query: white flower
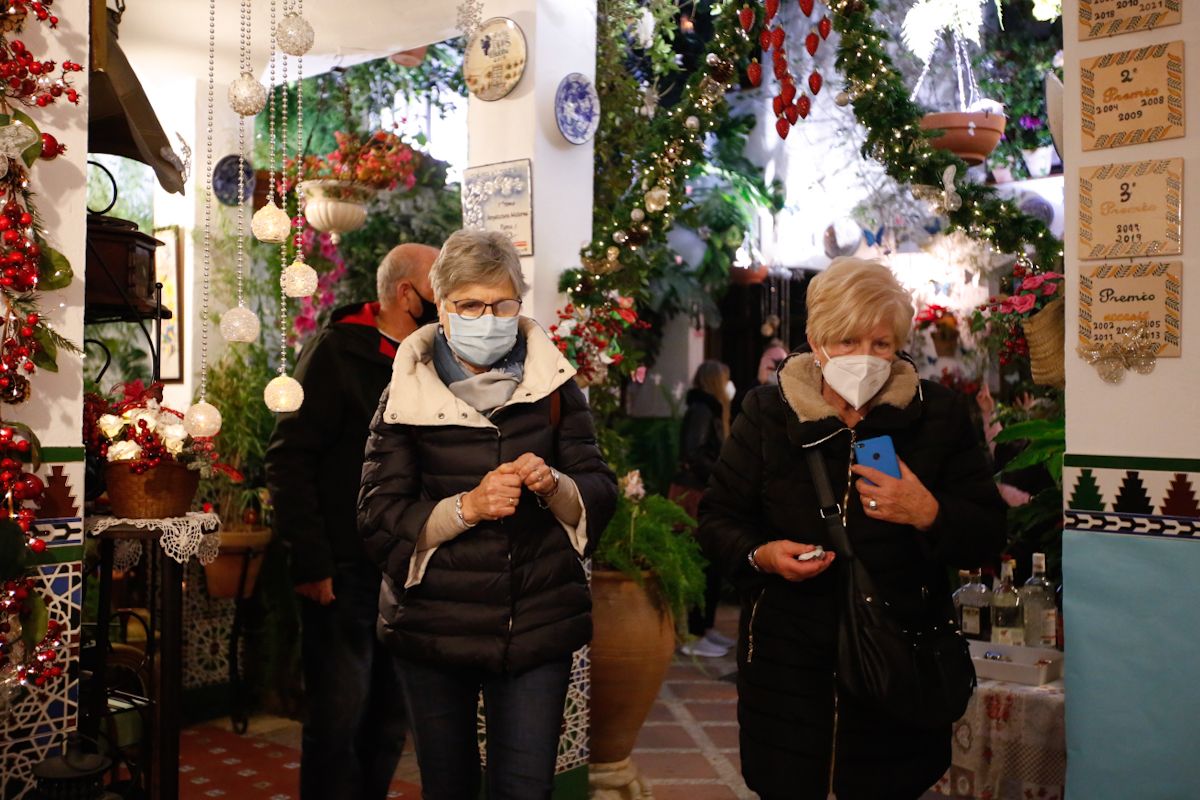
(1047, 10)
(632, 486)
(124, 451)
(656, 379)
(110, 425)
(679, 391)
(643, 29)
(173, 435)
(136, 415)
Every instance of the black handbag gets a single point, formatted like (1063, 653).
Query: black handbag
(909, 659)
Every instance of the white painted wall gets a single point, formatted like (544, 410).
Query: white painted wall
(562, 39)
(1145, 415)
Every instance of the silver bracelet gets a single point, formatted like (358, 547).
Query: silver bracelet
(458, 511)
(542, 499)
(753, 563)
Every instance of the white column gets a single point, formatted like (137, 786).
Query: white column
(561, 37)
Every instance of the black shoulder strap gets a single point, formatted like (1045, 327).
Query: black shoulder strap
(830, 510)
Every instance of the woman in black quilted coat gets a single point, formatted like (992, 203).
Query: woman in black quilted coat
(800, 736)
(482, 491)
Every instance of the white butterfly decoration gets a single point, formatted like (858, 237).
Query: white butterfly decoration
(951, 199)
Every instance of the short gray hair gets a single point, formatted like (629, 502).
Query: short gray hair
(473, 256)
(400, 264)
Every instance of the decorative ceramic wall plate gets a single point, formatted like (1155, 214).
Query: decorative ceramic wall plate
(577, 108)
(495, 59)
(1131, 210)
(225, 180)
(1133, 97)
(1115, 298)
(1100, 18)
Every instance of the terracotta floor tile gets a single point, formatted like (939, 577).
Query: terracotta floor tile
(692, 791)
(723, 736)
(660, 713)
(712, 712)
(710, 690)
(655, 736)
(674, 765)
(685, 670)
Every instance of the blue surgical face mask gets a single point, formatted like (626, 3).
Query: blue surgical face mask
(483, 341)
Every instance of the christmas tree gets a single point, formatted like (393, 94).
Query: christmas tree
(1132, 497)
(1086, 496)
(1181, 498)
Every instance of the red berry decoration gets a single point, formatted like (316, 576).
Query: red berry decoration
(803, 105)
(764, 40)
(806, 6)
(815, 82)
(772, 9)
(792, 114)
(788, 91)
(825, 26)
(782, 127)
(746, 18)
(37, 545)
(778, 105)
(51, 149)
(811, 43)
(754, 73)
(777, 37)
(781, 68)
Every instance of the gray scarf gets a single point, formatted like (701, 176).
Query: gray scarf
(486, 391)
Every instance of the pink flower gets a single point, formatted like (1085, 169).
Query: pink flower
(1032, 282)
(1051, 275)
(1022, 303)
(1049, 289)
(639, 374)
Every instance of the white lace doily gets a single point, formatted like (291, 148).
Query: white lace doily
(196, 535)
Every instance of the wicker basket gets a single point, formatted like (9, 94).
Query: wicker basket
(159, 493)
(1046, 332)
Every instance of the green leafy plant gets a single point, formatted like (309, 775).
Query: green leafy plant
(1012, 73)
(1040, 521)
(650, 533)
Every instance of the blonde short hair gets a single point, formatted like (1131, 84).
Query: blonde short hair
(854, 295)
(472, 256)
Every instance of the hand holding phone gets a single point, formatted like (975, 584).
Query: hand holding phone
(878, 453)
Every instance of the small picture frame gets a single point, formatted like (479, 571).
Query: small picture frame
(168, 268)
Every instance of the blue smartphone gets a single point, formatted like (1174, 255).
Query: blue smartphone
(879, 453)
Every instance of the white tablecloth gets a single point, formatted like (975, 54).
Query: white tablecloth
(196, 535)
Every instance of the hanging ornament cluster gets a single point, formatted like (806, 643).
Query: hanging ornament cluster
(792, 102)
(24, 660)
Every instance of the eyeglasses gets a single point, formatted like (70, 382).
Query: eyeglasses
(474, 309)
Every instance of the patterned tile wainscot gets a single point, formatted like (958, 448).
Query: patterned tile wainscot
(1132, 496)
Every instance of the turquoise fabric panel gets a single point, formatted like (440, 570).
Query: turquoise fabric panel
(1132, 625)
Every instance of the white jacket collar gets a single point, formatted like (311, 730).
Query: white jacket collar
(417, 395)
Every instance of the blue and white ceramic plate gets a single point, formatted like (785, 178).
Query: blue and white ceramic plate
(225, 180)
(577, 108)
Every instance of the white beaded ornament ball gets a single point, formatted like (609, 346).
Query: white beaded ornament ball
(240, 324)
(247, 96)
(202, 420)
(294, 35)
(283, 393)
(271, 224)
(298, 280)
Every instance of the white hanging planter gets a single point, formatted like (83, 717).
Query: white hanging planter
(334, 206)
(1040, 161)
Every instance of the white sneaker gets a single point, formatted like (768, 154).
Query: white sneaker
(719, 639)
(704, 648)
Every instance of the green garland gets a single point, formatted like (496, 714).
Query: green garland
(895, 139)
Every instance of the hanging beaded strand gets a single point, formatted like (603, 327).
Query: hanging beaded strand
(271, 224)
(299, 279)
(203, 419)
(240, 324)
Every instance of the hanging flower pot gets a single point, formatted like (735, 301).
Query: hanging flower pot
(945, 342)
(161, 492)
(1046, 333)
(747, 276)
(1039, 161)
(970, 135)
(409, 58)
(240, 550)
(335, 206)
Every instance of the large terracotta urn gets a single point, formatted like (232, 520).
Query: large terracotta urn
(632, 645)
(241, 549)
(970, 135)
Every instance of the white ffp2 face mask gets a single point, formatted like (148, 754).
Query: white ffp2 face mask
(856, 379)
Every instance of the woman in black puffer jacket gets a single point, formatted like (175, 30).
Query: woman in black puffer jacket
(800, 736)
(482, 491)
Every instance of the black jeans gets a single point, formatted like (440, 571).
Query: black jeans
(355, 727)
(524, 717)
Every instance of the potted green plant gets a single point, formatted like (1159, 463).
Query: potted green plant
(648, 570)
(1013, 73)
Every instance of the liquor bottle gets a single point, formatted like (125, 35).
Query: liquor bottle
(1040, 612)
(1008, 626)
(973, 603)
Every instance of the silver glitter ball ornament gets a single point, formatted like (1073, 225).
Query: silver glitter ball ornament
(247, 96)
(294, 35)
(271, 224)
(298, 280)
(283, 393)
(240, 324)
(202, 420)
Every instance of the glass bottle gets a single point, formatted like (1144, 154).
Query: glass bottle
(1008, 624)
(973, 602)
(1040, 613)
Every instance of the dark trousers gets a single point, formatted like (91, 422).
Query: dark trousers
(355, 726)
(701, 619)
(524, 717)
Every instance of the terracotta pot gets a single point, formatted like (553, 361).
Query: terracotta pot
(159, 493)
(409, 58)
(223, 574)
(970, 135)
(335, 207)
(1046, 333)
(746, 276)
(631, 650)
(945, 343)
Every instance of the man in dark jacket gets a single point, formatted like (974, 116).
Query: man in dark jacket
(355, 727)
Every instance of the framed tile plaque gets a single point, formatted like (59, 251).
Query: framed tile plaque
(1100, 18)
(1131, 210)
(1113, 298)
(1133, 97)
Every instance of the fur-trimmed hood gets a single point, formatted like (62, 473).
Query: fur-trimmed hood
(800, 384)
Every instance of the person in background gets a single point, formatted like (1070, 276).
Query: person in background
(483, 489)
(768, 365)
(705, 427)
(354, 729)
(801, 736)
